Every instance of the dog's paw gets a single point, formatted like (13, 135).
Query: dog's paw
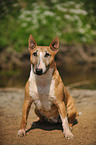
(21, 132)
(68, 135)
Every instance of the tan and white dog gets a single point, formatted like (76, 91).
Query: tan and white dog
(46, 89)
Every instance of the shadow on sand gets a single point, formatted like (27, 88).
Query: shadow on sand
(45, 126)
(48, 126)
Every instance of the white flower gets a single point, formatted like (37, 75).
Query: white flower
(93, 32)
(24, 14)
(36, 26)
(60, 8)
(48, 13)
(21, 17)
(83, 39)
(81, 30)
(88, 26)
(34, 21)
(77, 6)
(28, 12)
(68, 17)
(39, 6)
(44, 21)
(54, 1)
(24, 24)
(15, 4)
(36, 11)
(78, 11)
(70, 3)
(28, 19)
(79, 22)
(58, 18)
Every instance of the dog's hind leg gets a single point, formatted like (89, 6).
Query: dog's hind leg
(71, 108)
(71, 119)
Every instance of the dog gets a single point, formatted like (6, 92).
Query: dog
(46, 89)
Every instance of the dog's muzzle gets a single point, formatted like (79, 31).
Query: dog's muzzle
(39, 71)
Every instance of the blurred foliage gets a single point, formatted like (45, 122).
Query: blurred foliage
(71, 20)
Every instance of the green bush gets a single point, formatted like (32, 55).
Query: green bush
(69, 20)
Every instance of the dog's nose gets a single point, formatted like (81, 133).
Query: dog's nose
(39, 71)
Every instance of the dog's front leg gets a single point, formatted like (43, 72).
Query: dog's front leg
(63, 116)
(26, 109)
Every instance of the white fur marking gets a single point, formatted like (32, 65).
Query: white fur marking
(21, 132)
(64, 122)
(80, 113)
(66, 129)
(41, 89)
(42, 64)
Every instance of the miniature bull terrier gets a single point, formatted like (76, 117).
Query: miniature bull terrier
(46, 90)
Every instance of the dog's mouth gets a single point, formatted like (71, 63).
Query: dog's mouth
(39, 71)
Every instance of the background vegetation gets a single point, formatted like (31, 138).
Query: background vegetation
(73, 21)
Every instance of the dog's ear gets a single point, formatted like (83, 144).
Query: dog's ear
(55, 44)
(32, 43)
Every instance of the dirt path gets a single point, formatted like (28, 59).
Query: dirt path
(11, 101)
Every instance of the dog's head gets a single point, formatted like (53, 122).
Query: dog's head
(42, 57)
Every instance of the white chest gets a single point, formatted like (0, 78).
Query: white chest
(42, 91)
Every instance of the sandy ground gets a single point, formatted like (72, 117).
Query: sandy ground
(11, 101)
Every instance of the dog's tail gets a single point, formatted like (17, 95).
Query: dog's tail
(78, 113)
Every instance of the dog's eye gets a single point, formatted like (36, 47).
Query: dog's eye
(47, 54)
(35, 53)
